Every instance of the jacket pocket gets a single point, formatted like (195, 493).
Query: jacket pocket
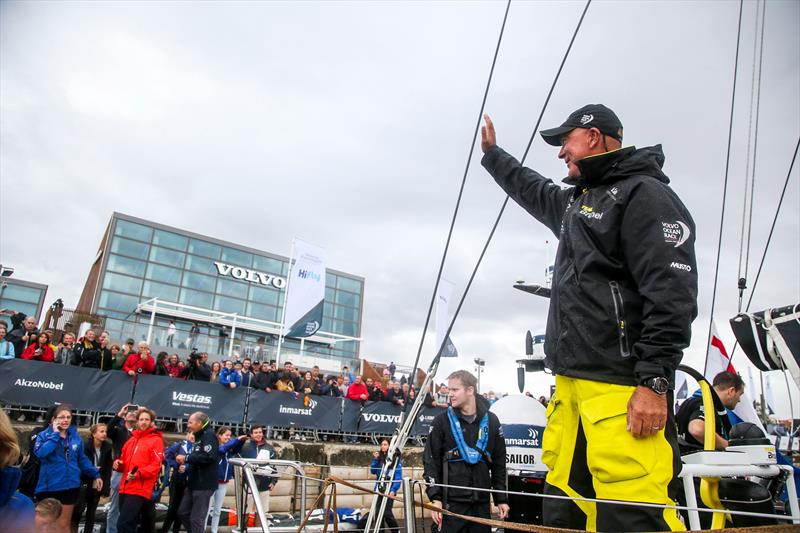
(619, 315)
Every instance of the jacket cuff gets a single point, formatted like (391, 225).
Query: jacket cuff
(489, 159)
(645, 370)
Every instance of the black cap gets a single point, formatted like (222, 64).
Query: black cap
(589, 116)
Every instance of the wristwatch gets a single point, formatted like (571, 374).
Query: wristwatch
(659, 385)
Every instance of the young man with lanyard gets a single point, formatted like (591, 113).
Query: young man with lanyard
(465, 448)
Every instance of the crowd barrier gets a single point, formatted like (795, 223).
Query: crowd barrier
(37, 384)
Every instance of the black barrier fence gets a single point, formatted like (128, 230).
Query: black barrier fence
(36, 384)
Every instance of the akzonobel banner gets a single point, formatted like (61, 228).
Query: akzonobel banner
(288, 409)
(176, 398)
(306, 292)
(38, 384)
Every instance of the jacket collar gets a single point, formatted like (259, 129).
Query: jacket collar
(595, 168)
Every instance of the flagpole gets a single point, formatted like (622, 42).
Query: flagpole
(283, 311)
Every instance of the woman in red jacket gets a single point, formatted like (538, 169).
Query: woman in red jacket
(140, 464)
(40, 350)
(142, 359)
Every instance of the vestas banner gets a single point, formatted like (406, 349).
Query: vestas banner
(306, 292)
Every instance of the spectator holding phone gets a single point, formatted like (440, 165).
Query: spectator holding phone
(378, 462)
(120, 430)
(40, 349)
(62, 462)
(140, 464)
(87, 351)
(23, 334)
(228, 447)
(65, 351)
(140, 362)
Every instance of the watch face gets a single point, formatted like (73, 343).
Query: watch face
(659, 385)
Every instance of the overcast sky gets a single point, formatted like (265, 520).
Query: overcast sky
(349, 124)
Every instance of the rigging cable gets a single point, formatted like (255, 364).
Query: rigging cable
(505, 202)
(725, 183)
(752, 145)
(413, 375)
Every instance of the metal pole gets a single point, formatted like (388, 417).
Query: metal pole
(283, 310)
(408, 506)
(302, 345)
(233, 332)
(152, 321)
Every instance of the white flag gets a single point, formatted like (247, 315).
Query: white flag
(306, 291)
(718, 361)
(443, 295)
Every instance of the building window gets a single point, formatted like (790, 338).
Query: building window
(167, 257)
(269, 265)
(237, 257)
(121, 283)
(206, 249)
(228, 287)
(164, 274)
(348, 284)
(125, 265)
(198, 281)
(117, 301)
(170, 240)
(161, 291)
(229, 305)
(347, 298)
(262, 312)
(264, 295)
(130, 248)
(196, 298)
(133, 230)
(200, 264)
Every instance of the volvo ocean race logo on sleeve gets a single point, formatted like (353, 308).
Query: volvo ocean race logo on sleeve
(675, 233)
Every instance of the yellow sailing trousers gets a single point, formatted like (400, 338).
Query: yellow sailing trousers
(591, 454)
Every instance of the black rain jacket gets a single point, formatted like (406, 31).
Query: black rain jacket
(483, 475)
(624, 290)
(204, 461)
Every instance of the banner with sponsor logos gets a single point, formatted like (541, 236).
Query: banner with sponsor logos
(522, 419)
(382, 418)
(176, 398)
(306, 292)
(287, 409)
(422, 425)
(37, 384)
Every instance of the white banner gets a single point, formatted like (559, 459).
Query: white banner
(443, 295)
(306, 291)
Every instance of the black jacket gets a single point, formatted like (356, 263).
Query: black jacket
(118, 433)
(624, 290)
(261, 380)
(203, 461)
(104, 464)
(15, 337)
(483, 475)
(88, 356)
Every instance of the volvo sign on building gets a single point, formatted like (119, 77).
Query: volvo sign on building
(204, 285)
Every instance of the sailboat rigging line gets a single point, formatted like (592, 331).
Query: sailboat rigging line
(772, 227)
(745, 196)
(769, 237)
(408, 416)
(755, 140)
(460, 194)
(725, 182)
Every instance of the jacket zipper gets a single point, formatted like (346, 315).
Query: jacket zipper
(619, 313)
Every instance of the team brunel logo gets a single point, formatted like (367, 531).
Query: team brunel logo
(585, 119)
(675, 233)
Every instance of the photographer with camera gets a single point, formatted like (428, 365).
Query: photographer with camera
(197, 369)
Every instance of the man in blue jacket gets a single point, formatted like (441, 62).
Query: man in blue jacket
(229, 377)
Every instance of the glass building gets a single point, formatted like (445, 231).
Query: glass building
(147, 275)
(23, 296)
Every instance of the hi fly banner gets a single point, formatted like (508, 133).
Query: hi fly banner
(306, 291)
(443, 295)
(718, 361)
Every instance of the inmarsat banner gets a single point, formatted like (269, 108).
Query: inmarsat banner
(443, 295)
(306, 292)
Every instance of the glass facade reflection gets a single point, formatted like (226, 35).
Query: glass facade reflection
(22, 296)
(141, 260)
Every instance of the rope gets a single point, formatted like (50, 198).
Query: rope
(460, 194)
(522, 161)
(725, 183)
